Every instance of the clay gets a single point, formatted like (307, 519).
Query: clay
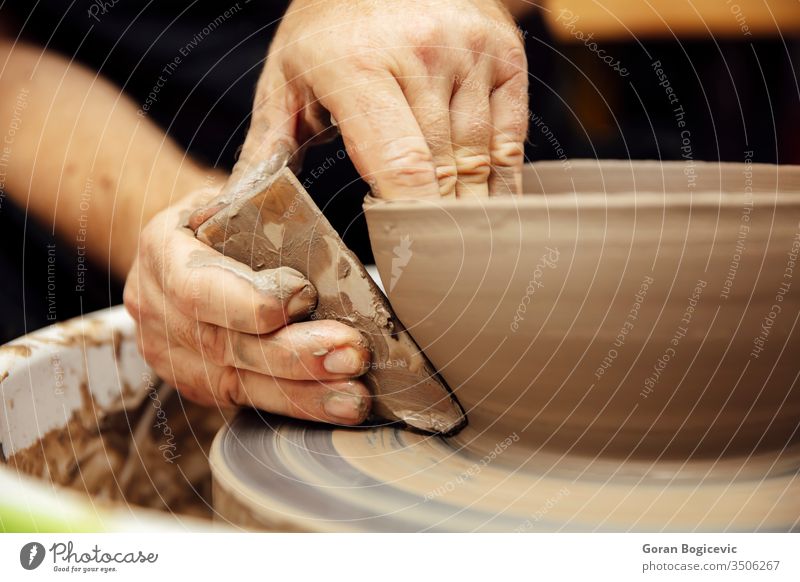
(277, 225)
(622, 337)
(83, 411)
(124, 457)
(277, 474)
(528, 307)
(20, 350)
(281, 282)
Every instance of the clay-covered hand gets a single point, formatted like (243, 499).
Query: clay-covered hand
(430, 96)
(224, 334)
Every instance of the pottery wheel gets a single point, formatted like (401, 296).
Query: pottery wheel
(615, 374)
(275, 473)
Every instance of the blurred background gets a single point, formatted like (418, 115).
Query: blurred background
(653, 79)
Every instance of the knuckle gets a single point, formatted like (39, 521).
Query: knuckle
(279, 281)
(269, 315)
(153, 357)
(447, 176)
(196, 393)
(423, 30)
(410, 168)
(214, 343)
(474, 167)
(515, 56)
(363, 57)
(229, 387)
(131, 300)
(477, 31)
(507, 152)
(512, 66)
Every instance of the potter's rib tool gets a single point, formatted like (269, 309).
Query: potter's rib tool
(277, 224)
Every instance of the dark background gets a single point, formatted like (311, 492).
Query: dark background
(739, 95)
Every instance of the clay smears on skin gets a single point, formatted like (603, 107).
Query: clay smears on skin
(282, 282)
(276, 224)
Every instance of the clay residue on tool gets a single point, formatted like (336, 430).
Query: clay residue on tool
(278, 225)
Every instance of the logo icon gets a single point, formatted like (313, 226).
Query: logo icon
(31, 555)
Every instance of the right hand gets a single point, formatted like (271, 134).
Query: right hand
(225, 335)
(431, 97)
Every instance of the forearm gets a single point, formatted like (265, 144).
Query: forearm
(76, 154)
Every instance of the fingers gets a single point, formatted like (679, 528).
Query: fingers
(381, 133)
(341, 402)
(302, 370)
(429, 99)
(315, 350)
(209, 287)
(509, 111)
(470, 128)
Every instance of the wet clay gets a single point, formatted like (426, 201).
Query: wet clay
(281, 474)
(623, 338)
(277, 225)
(621, 310)
(124, 457)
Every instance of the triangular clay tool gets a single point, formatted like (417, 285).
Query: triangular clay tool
(277, 224)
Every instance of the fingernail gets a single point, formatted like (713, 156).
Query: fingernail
(301, 303)
(345, 360)
(344, 406)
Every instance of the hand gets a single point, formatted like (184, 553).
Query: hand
(223, 334)
(430, 96)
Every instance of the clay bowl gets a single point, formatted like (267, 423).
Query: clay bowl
(618, 310)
